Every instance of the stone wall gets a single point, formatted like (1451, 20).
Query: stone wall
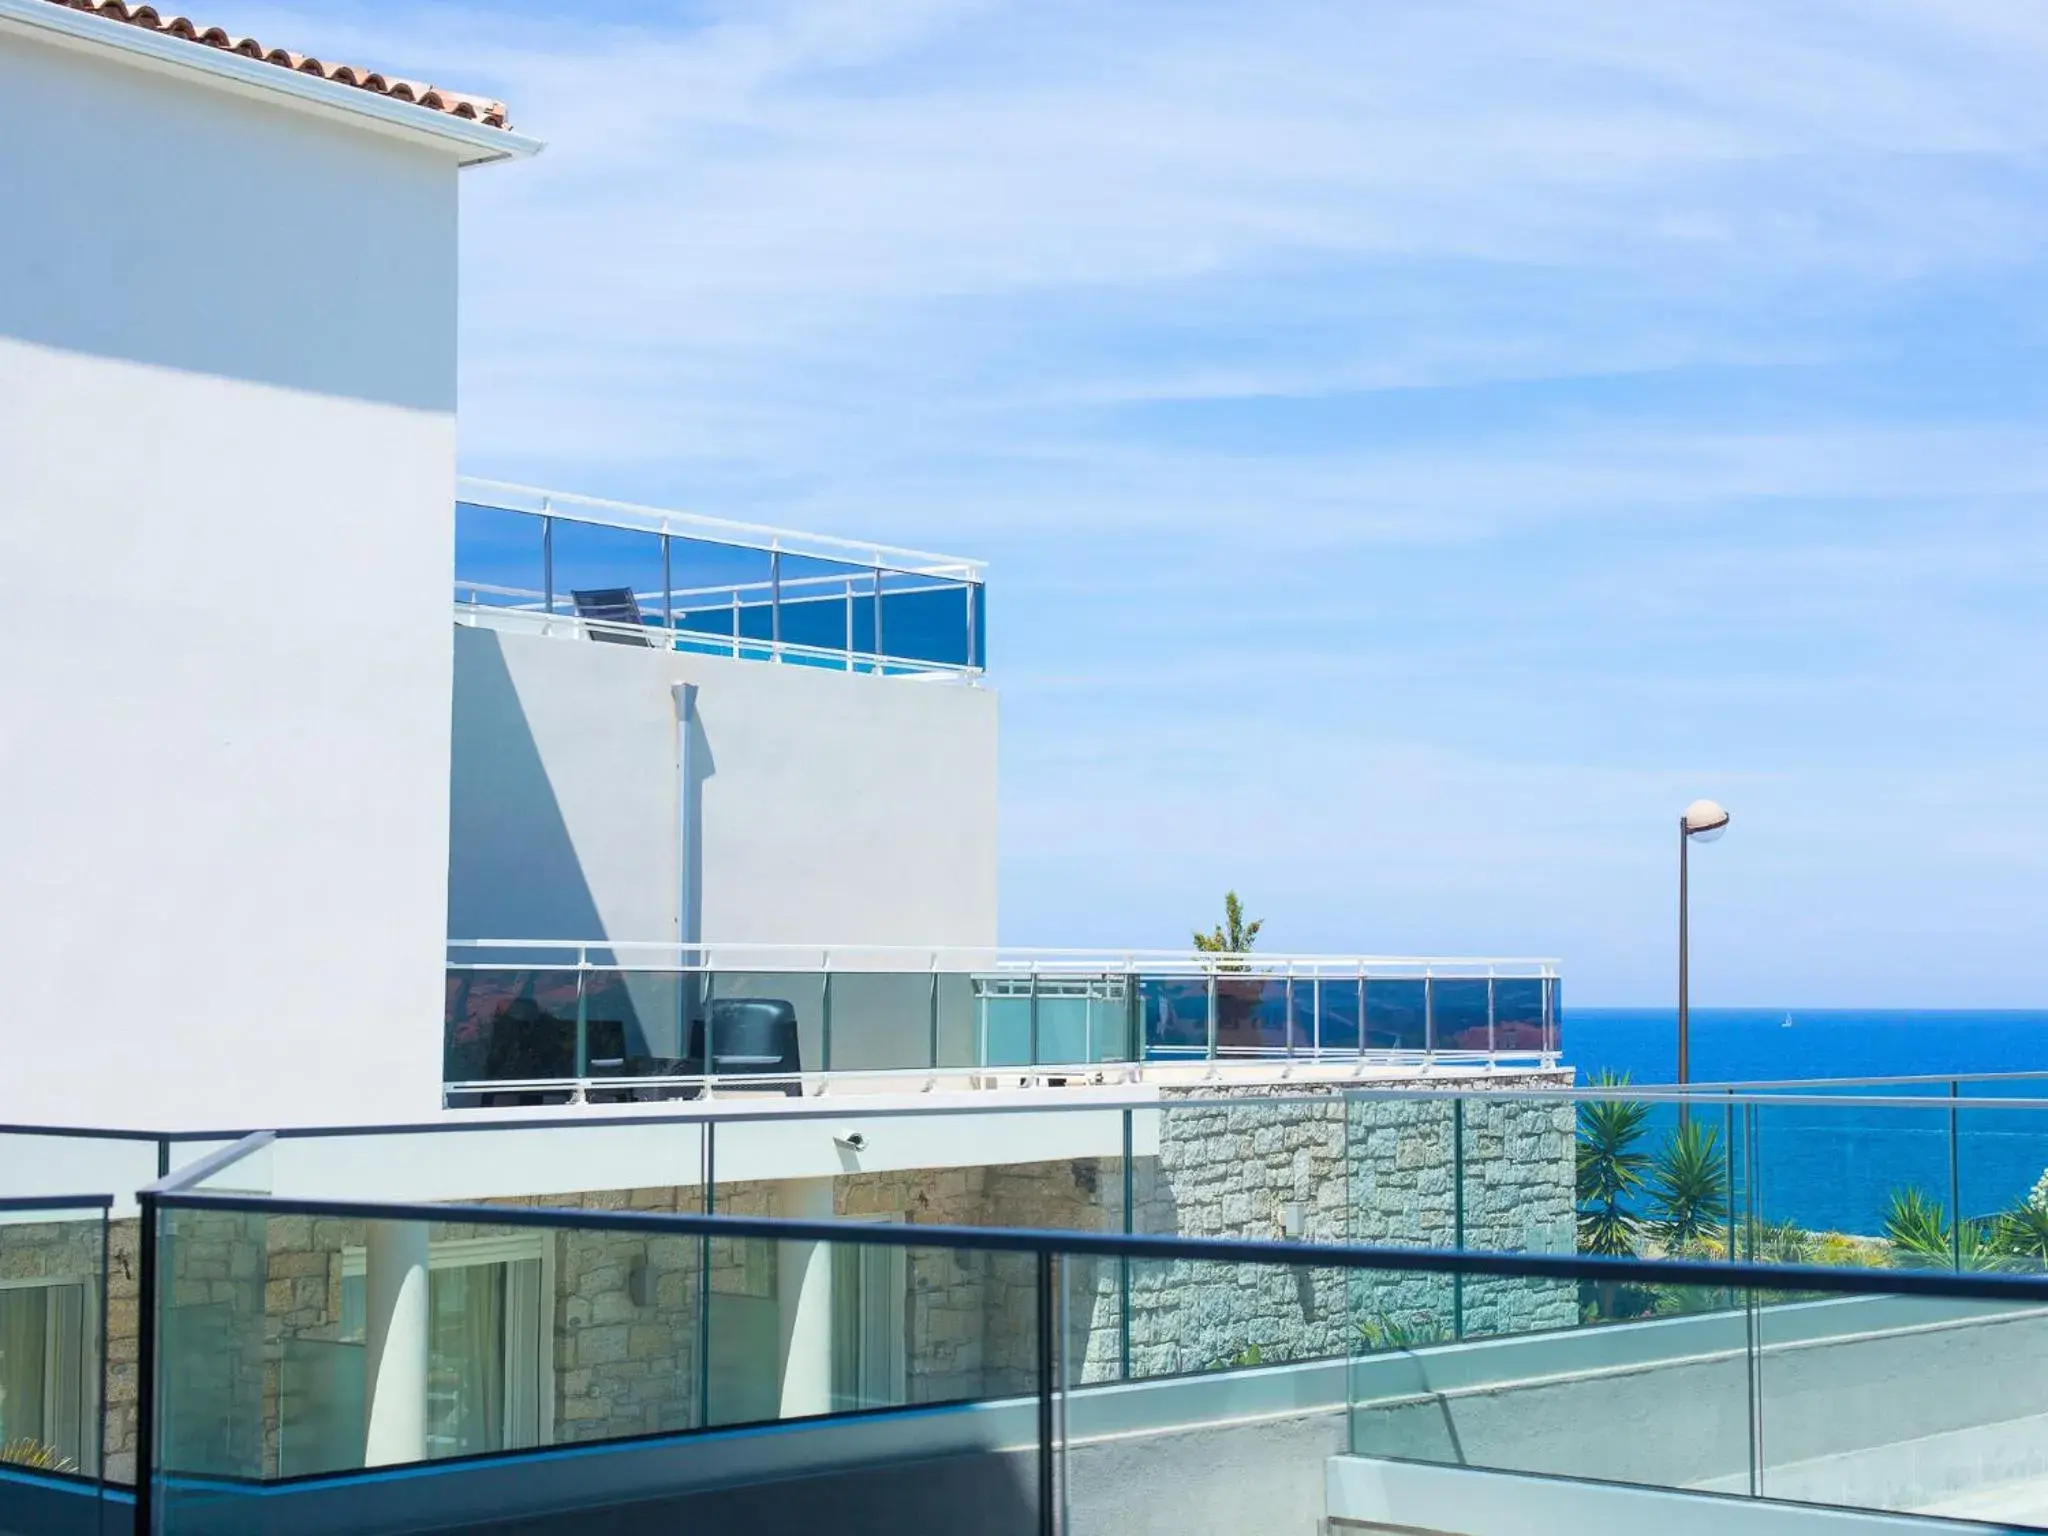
(1386, 1171)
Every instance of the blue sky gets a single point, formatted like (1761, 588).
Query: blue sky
(1419, 446)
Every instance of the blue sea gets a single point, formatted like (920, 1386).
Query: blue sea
(1832, 1167)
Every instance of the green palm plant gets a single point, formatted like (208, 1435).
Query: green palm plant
(1610, 1164)
(2022, 1235)
(1688, 1188)
(1233, 936)
(1917, 1227)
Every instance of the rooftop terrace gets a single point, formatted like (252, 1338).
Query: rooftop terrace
(574, 567)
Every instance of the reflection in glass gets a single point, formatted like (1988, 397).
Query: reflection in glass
(1174, 1015)
(1396, 1014)
(1326, 1014)
(498, 558)
(1518, 1014)
(1458, 1009)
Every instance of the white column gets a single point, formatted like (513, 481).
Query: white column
(804, 1301)
(395, 1340)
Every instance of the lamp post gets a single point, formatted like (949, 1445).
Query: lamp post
(1703, 821)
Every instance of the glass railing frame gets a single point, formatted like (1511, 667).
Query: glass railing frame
(877, 566)
(1302, 1041)
(1048, 1249)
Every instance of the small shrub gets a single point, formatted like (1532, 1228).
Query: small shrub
(36, 1456)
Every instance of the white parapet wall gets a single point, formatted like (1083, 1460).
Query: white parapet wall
(797, 805)
(227, 425)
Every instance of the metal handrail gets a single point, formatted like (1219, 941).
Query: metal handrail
(1720, 1275)
(505, 496)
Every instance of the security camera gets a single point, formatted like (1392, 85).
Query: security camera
(853, 1141)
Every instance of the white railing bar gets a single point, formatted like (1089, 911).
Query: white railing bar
(700, 642)
(509, 497)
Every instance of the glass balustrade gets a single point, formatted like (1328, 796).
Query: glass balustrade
(527, 1033)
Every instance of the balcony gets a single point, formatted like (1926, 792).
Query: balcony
(534, 1022)
(545, 563)
(1165, 1344)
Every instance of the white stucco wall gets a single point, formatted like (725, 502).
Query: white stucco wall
(227, 391)
(834, 809)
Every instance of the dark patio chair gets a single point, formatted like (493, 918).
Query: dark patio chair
(613, 608)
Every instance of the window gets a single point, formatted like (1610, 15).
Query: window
(45, 1358)
(489, 1354)
(870, 1289)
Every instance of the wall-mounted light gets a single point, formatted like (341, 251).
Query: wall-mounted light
(853, 1141)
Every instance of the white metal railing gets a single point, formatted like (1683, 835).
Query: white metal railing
(700, 643)
(702, 613)
(667, 955)
(510, 497)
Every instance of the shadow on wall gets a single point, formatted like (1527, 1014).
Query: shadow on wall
(513, 870)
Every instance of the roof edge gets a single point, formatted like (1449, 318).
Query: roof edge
(473, 143)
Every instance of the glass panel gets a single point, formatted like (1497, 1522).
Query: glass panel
(1520, 1189)
(1326, 1015)
(1518, 1013)
(818, 609)
(1400, 1183)
(610, 577)
(1569, 1403)
(753, 1016)
(959, 1020)
(924, 618)
(1004, 1007)
(509, 1025)
(1903, 1403)
(320, 1400)
(1174, 1014)
(1553, 1018)
(2002, 1180)
(1063, 1019)
(1396, 1015)
(498, 557)
(723, 591)
(1251, 1015)
(1458, 1013)
(51, 1269)
(211, 1321)
(1852, 1184)
(881, 1020)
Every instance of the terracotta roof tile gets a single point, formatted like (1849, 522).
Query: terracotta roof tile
(474, 108)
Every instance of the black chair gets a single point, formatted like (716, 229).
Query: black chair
(611, 606)
(750, 1037)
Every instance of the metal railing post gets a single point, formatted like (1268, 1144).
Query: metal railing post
(668, 588)
(1031, 1018)
(1047, 1523)
(825, 1012)
(849, 623)
(973, 591)
(1212, 1029)
(1428, 1014)
(775, 602)
(547, 563)
(878, 620)
(145, 1367)
(935, 1014)
(1955, 1180)
(582, 1031)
